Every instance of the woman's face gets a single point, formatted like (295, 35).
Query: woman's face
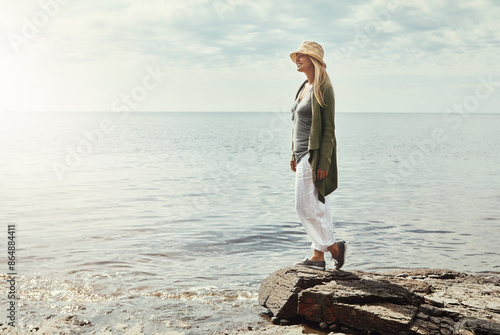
(303, 62)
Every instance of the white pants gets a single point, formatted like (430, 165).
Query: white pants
(316, 217)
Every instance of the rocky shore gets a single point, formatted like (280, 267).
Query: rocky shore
(307, 301)
(417, 301)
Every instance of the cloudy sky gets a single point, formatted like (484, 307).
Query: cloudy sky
(233, 55)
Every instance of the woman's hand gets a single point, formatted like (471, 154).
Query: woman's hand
(293, 165)
(321, 174)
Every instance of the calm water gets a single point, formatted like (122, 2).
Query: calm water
(171, 220)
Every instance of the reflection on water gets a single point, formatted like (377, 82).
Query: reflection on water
(172, 220)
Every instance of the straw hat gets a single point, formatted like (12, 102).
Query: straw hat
(310, 48)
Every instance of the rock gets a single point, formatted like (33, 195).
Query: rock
(275, 320)
(268, 330)
(323, 325)
(285, 322)
(85, 323)
(335, 327)
(418, 301)
(279, 292)
(267, 313)
(69, 324)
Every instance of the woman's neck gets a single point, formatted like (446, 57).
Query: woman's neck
(310, 77)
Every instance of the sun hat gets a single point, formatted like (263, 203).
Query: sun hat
(312, 49)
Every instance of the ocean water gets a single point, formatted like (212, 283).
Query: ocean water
(171, 220)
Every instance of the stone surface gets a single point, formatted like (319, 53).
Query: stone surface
(270, 330)
(417, 301)
(279, 292)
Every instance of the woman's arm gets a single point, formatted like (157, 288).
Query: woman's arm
(328, 131)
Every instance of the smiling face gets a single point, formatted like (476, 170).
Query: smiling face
(303, 62)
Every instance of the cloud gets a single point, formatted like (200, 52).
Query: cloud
(359, 37)
(198, 32)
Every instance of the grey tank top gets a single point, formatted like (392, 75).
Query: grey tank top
(302, 125)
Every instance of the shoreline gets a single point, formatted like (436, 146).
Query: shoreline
(75, 324)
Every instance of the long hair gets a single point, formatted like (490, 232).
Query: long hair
(320, 76)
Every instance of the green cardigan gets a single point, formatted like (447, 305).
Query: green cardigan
(322, 143)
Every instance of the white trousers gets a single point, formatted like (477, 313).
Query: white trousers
(316, 217)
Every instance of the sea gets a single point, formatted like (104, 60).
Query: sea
(170, 221)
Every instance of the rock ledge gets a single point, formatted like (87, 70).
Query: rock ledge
(416, 301)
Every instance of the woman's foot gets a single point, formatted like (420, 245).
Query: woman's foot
(318, 265)
(338, 251)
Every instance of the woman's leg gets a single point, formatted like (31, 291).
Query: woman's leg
(315, 216)
(320, 256)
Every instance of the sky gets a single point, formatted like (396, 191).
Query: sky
(233, 55)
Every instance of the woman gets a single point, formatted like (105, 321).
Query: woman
(314, 158)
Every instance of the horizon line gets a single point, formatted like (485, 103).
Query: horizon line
(342, 112)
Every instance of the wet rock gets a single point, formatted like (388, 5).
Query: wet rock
(285, 322)
(69, 324)
(275, 320)
(85, 323)
(267, 313)
(335, 327)
(323, 325)
(418, 301)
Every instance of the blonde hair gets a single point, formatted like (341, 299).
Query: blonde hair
(320, 76)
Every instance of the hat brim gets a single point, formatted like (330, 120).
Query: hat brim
(293, 56)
